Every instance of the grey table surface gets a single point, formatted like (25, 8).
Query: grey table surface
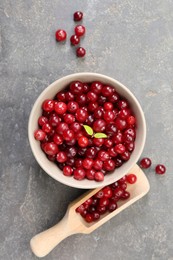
(131, 41)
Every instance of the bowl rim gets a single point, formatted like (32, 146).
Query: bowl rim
(68, 77)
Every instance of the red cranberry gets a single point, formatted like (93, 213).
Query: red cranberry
(131, 178)
(107, 192)
(60, 35)
(39, 135)
(91, 152)
(130, 146)
(122, 104)
(81, 99)
(79, 30)
(71, 152)
(96, 87)
(91, 209)
(46, 128)
(61, 128)
(101, 210)
(98, 164)
(99, 176)
(52, 158)
(75, 40)
(118, 192)
(78, 163)
(120, 123)
(81, 115)
(99, 194)
(109, 165)
(67, 171)
(122, 180)
(104, 202)
(72, 106)
(90, 120)
(101, 100)
(85, 87)
(89, 218)
(131, 131)
(94, 201)
(69, 118)
(42, 120)
(109, 116)
(81, 151)
(87, 163)
(72, 142)
(125, 156)
(90, 174)
(145, 163)
(92, 106)
(76, 127)
(84, 213)
(119, 148)
(118, 162)
(123, 186)
(112, 152)
(103, 155)
(48, 105)
(77, 16)
(111, 129)
(131, 120)
(99, 125)
(70, 162)
(127, 138)
(57, 139)
(114, 98)
(79, 173)
(107, 91)
(91, 96)
(60, 108)
(50, 148)
(68, 135)
(80, 52)
(108, 143)
(125, 195)
(76, 87)
(117, 138)
(54, 120)
(124, 113)
(83, 141)
(98, 141)
(80, 209)
(61, 96)
(96, 215)
(98, 113)
(69, 96)
(160, 169)
(112, 206)
(108, 106)
(61, 157)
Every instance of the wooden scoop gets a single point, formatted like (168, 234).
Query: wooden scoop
(73, 223)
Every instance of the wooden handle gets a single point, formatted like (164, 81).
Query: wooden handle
(45, 241)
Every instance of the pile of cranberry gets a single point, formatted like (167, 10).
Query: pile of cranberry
(66, 142)
(105, 200)
(79, 30)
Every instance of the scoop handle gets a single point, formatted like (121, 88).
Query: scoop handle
(44, 242)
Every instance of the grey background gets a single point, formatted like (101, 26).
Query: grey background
(129, 40)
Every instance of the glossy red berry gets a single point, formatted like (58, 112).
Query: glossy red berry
(125, 195)
(131, 120)
(61, 157)
(83, 141)
(90, 174)
(119, 148)
(77, 16)
(79, 30)
(89, 218)
(145, 163)
(72, 107)
(47, 128)
(75, 40)
(81, 115)
(87, 163)
(109, 165)
(112, 206)
(131, 178)
(99, 125)
(67, 171)
(60, 35)
(50, 148)
(80, 52)
(160, 169)
(99, 176)
(79, 173)
(42, 120)
(60, 108)
(48, 105)
(69, 118)
(57, 139)
(39, 135)
(68, 135)
(107, 192)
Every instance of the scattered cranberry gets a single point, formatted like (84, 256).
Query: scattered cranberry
(60, 35)
(80, 52)
(78, 15)
(160, 169)
(131, 178)
(75, 40)
(79, 30)
(145, 163)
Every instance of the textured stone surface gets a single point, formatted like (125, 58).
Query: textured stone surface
(130, 40)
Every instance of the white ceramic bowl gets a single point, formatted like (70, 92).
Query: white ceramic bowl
(50, 167)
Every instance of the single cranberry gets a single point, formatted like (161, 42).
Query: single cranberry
(125, 195)
(112, 206)
(79, 30)
(99, 176)
(107, 91)
(101, 100)
(118, 192)
(72, 142)
(160, 169)
(96, 215)
(98, 141)
(112, 152)
(61, 157)
(122, 180)
(98, 164)
(91, 96)
(67, 171)
(107, 192)
(81, 115)
(119, 148)
(57, 139)
(90, 120)
(131, 178)
(70, 162)
(54, 120)
(79, 173)
(80, 52)
(81, 99)
(108, 106)
(96, 87)
(48, 105)
(109, 116)
(72, 106)
(61, 96)
(103, 155)
(75, 40)
(81, 151)
(89, 201)
(71, 152)
(80, 209)
(87, 163)
(99, 194)
(78, 163)
(69, 96)
(42, 120)
(84, 213)
(114, 185)
(77, 16)
(85, 87)
(98, 113)
(114, 98)
(60, 108)
(39, 135)
(130, 131)
(76, 87)
(91, 152)
(94, 201)
(60, 35)
(83, 141)
(89, 218)
(130, 146)
(108, 143)
(124, 113)
(104, 202)
(76, 127)
(111, 129)
(92, 106)
(127, 138)
(109, 165)
(131, 120)
(50, 148)
(122, 104)
(46, 128)
(145, 163)
(91, 209)
(90, 174)
(69, 118)
(118, 162)
(120, 123)
(118, 138)
(125, 156)
(101, 210)
(68, 135)
(51, 158)
(99, 125)
(123, 186)
(61, 128)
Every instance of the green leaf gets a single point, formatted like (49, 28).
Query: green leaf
(100, 135)
(88, 129)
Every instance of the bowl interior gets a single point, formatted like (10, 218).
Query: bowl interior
(52, 168)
